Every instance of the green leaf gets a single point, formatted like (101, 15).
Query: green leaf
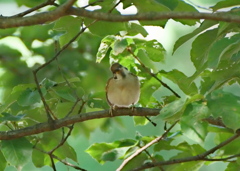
(119, 46)
(164, 145)
(42, 33)
(133, 29)
(155, 51)
(38, 158)
(183, 7)
(110, 155)
(204, 25)
(150, 6)
(64, 92)
(103, 152)
(225, 4)
(29, 97)
(224, 49)
(104, 28)
(66, 151)
(3, 161)
(29, 3)
(184, 83)
(9, 117)
(23, 87)
(152, 49)
(170, 4)
(149, 87)
(96, 100)
(6, 32)
(47, 83)
(232, 166)
(229, 149)
(104, 47)
(70, 25)
(193, 166)
(139, 120)
(199, 56)
(17, 152)
(143, 56)
(135, 162)
(226, 106)
(191, 122)
(173, 110)
(63, 108)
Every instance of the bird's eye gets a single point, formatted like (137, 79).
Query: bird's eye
(125, 68)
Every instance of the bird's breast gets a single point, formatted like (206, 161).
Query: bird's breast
(123, 92)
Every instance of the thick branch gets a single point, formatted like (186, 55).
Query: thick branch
(44, 127)
(8, 22)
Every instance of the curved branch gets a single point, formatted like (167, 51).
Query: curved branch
(40, 18)
(44, 127)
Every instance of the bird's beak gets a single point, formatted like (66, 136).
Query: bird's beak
(117, 71)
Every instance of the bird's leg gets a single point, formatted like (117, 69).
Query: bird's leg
(112, 108)
(132, 107)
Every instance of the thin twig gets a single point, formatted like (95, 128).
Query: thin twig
(139, 151)
(152, 74)
(154, 124)
(224, 158)
(64, 139)
(52, 162)
(150, 156)
(47, 109)
(69, 85)
(73, 107)
(81, 107)
(49, 2)
(62, 161)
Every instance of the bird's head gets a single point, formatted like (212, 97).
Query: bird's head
(119, 71)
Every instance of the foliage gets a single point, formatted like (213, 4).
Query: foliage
(202, 66)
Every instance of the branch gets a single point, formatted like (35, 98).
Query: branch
(55, 124)
(199, 157)
(139, 151)
(49, 2)
(41, 18)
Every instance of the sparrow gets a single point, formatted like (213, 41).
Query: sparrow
(123, 89)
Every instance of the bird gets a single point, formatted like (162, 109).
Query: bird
(123, 89)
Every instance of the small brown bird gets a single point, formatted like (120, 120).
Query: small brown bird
(123, 89)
